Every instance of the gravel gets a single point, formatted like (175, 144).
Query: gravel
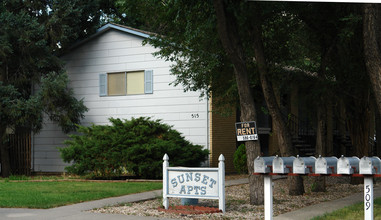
(237, 201)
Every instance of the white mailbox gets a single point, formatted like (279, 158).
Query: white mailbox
(370, 165)
(326, 165)
(348, 165)
(263, 164)
(303, 165)
(282, 164)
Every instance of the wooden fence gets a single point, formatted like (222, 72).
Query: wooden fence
(20, 153)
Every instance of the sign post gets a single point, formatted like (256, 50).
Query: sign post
(165, 182)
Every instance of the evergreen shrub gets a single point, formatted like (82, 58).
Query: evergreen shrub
(240, 160)
(135, 146)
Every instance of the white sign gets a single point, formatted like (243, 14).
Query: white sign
(193, 183)
(199, 183)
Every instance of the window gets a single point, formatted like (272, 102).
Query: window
(126, 83)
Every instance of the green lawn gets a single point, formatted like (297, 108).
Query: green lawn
(353, 212)
(48, 194)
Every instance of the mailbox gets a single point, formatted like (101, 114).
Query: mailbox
(326, 165)
(348, 165)
(282, 164)
(303, 165)
(370, 165)
(263, 164)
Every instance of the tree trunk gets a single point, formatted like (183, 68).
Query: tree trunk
(342, 128)
(359, 132)
(296, 186)
(378, 133)
(228, 33)
(372, 49)
(321, 137)
(329, 150)
(4, 151)
(358, 126)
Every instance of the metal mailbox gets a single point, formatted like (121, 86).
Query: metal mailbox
(303, 165)
(348, 165)
(263, 164)
(370, 165)
(282, 164)
(326, 165)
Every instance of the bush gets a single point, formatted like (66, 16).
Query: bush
(136, 146)
(240, 160)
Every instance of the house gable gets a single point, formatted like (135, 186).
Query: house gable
(114, 50)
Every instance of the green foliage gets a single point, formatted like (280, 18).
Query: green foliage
(240, 160)
(136, 146)
(59, 101)
(32, 80)
(33, 33)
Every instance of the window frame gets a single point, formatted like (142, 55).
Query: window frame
(147, 83)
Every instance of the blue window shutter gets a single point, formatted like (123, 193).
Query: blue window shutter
(103, 84)
(148, 81)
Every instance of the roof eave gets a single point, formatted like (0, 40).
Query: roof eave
(106, 28)
(120, 28)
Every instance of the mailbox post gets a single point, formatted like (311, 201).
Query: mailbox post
(368, 197)
(263, 165)
(268, 185)
(369, 166)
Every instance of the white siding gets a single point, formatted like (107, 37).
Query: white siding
(116, 51)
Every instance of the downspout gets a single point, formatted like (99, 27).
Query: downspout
(32, 140)
(207, 130)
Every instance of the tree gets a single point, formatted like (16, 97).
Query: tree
(340, 75)
(371, 33)
(228, 33)
(32, 79)
(214, 46)
(206, 52)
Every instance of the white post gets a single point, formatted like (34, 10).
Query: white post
(368, 198)
(221, 186)
(165, 181)
(268, 181)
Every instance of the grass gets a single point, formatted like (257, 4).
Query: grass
(353, 212)
(49, 194)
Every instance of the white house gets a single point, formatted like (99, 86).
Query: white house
(119, 77)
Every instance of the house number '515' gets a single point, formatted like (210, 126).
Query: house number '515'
(195, 115)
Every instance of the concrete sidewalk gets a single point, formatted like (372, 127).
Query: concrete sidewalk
(78, 211)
